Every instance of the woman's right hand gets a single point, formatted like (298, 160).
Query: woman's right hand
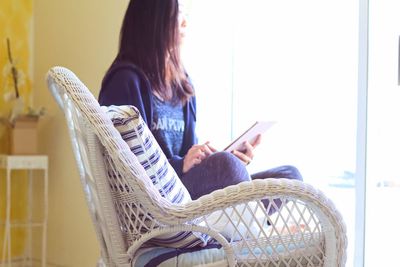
(197, 154)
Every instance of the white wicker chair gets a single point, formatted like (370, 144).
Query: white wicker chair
(306, 230)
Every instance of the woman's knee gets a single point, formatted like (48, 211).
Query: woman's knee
(229, 168)
(225, 158)
(286, 171)
(291, 172)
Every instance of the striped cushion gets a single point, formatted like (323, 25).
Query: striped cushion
(136, 134)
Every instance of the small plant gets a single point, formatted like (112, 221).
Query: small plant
(18, 80)
(14, 71)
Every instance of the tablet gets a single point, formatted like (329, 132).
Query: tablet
(259, 127)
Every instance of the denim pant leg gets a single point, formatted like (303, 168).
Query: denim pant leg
(218, 171)
(286, 171)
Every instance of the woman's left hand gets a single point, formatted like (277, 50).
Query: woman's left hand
(247, 155)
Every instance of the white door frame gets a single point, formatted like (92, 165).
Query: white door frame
(361, 157)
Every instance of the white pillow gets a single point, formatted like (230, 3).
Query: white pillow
(136, 134)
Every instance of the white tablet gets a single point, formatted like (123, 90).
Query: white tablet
(250, 135)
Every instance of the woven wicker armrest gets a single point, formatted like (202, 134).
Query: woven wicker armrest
(251, 191)
(236, 214)
(255, 190)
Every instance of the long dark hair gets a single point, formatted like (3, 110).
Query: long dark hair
(150, 39)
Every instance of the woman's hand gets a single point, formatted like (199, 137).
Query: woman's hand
(247, 155)
(197, 154)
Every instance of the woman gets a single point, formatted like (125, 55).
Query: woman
(148, 73)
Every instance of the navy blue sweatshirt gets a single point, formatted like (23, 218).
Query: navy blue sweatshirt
(126, 84)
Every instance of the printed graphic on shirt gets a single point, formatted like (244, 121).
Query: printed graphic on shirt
(168, 126)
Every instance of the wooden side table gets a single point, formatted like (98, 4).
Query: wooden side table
(30, 163)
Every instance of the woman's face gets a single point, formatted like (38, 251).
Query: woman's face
(182, 19)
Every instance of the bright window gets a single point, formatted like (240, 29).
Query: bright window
(294, 62)
(383, 153)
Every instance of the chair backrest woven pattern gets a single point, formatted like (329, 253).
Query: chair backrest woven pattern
(94, 139)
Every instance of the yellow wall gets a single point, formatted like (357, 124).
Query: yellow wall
(15, 24)
(82, 36)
